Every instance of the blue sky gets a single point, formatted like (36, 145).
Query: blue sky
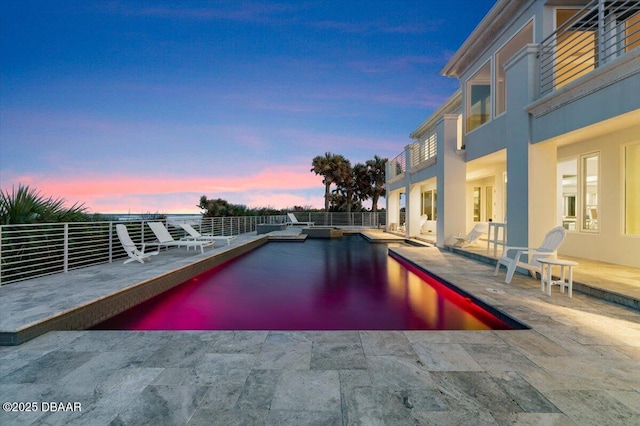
(144, 106)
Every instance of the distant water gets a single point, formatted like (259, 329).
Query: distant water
(172, 218)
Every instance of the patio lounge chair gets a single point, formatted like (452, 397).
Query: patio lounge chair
(423, 220)
(294, 220)
(196, 236)
(473, 236)
(548, 248)
(164, 238)
(130, 247)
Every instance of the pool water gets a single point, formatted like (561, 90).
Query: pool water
(337, 284)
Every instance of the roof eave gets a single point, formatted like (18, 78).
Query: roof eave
(501, 12)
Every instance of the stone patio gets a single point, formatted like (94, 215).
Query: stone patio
(578, 365)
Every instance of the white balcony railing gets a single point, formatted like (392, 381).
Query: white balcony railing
(424, 150)
(600, 32)
(420, 152)
(398, 165)
(34, 250)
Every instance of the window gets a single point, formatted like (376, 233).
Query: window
(632, 189)
(488, 209)
(429, 208)
(589, 192)
(479, 97)
(521, 39)
(568, 172)
(477, 203)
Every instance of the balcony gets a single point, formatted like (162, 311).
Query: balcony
(421, 154)
(397, 166)
(596, 35)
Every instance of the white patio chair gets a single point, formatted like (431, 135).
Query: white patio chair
(478, 230)
(129, 246)
(548, 248)
(196, 236)
(164, 238)
(294, 220)
(423, 220)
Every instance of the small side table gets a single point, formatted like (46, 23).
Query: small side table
(546, 267)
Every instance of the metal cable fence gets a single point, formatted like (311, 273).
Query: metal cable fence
(34, 250)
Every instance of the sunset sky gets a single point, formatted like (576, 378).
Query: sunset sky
(144, 106)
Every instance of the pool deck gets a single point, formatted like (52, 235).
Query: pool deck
(577, 365)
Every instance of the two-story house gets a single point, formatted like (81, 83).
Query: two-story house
(544, 131)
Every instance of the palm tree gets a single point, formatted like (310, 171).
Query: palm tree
(26, 205)
(376, 172)
(353, 187)
(332, 168)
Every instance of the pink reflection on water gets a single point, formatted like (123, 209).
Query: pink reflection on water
(346, 284)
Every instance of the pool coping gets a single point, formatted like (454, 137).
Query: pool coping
(510, 320)
(90, 313)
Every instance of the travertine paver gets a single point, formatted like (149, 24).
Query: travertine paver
(578, 365)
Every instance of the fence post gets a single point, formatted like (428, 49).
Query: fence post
(0, 255)
(110, 242)
(66, 248)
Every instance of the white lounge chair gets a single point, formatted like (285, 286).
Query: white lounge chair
(473, 236)
(423, 220)
(164, 238)
(548, 248)
(196, 236)
(130, 247)
(294, 220)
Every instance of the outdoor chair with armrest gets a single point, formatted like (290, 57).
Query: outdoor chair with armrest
(548, 248)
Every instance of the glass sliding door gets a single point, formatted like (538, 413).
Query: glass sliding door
(477, 203)
(488, 200)
(589, 191)
(568, 173)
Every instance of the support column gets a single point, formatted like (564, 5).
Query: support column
(543, 160)
(392, 203)
(522, 192)
(453, 172)
(393, 208)
(413, 211)
(407, 191)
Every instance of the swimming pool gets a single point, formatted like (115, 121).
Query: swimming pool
(337, 284)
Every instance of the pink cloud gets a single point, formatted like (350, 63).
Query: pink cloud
(172, 193)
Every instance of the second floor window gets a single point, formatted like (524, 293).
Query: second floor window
(479, 97)
(506, 52)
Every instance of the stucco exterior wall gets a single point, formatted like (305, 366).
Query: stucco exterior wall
(609, 244)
